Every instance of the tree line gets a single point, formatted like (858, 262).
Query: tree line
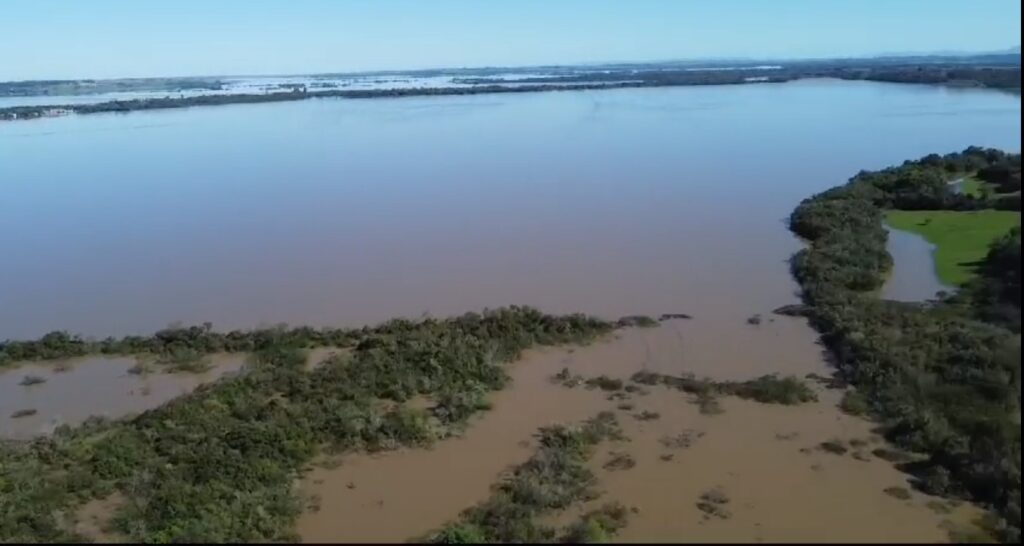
(943, 377)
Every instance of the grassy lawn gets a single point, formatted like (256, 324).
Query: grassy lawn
(972, 186)
(961, 238)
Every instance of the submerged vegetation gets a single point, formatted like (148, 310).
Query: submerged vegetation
(768, 389)
(943, 378)
(552, 479)
(219, 464)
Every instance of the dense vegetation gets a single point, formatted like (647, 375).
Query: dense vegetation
(995, 77)
(944, 378)
(219, 464)
(552, 479)
(767, 389)
(35, 88)
(192, 340)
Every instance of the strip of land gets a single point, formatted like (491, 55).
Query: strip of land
(1005, 74)
(942, 379)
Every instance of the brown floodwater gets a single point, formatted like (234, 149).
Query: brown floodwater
(336, 212)
(77, 389)
(782, 488)
(344, 212)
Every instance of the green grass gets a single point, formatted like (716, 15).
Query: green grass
(972, 186)
(978, 188)
(961, 238)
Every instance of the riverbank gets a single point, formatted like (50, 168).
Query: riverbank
(905, 359)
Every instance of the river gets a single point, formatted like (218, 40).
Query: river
(345, 212)
(348, 212)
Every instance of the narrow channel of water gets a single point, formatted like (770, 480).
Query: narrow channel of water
(913, 276)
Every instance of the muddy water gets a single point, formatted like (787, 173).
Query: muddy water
(337, 212)
(913, 276)
(342, 212)
(100, 386)
(779, 493)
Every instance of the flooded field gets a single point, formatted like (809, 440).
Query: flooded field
(636, 201)
(913, 276)
(70, 391)
(782, 485)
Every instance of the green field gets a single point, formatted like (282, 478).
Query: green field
(972, 186)
(961, 238)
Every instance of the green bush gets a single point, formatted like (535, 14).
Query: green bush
(942, 381)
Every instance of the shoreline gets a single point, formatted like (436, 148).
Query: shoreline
(642, 80)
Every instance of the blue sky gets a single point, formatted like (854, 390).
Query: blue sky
(124, 38)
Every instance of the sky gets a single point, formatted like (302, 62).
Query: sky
(66, 39)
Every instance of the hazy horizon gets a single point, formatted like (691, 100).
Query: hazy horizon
(596, 63)
(121, 39)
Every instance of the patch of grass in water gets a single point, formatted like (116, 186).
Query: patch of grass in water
(185, 361)
(30, 380)
(597, 526)
(647, 416)
(552, 479)
(770, 389)
(712, 502)
(620, 461)
(604, 383)
(891, 455)
(767, 389)
(682, 440)
(854, 403)
(834, 447)
(637, 321)
(900, 493)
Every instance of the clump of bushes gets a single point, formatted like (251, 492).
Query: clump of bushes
(682, 440)
(712, 502)
(900, 493)
(198, 468)
(555, 477)
(620, 461)
(768, 389)
(637, 321)
(30, 380)
(604, 383)
(597, 526)
(567, 379)
(854, 403)
(835, 447)
(646, 415)
(943, 378)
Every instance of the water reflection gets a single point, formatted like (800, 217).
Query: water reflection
(74, 390)
(346, 212)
